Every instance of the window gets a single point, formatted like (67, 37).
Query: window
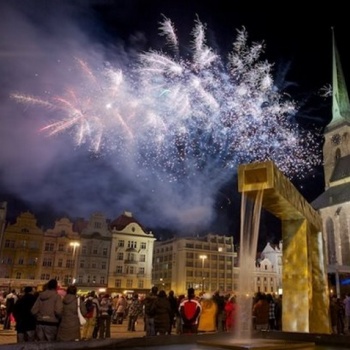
(32, 261)
(104, 251)
(118, 283)
(129, 283)
(143, 245)
(119, 269)
(49, 247)
(142, 258)
(121, 243)
(45, 276)
(132, 244)
(102, 279)
(103, 265)
(97, 225)
(120, 256)
(60, 247)
(47, 262)
(94, 250)
(84, 250)
(140, 284)
(69, 263)
(18, 275)
(141, 270)
(131, 257)
(80, 279)
(60, 263)
(9, 243)
(82, 263)
(20, 261)
(93, 265)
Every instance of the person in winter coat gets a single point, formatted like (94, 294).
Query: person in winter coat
(207, 321)
(135, 310)
(69, 328)
(10, 302)
(231, 314)
(25, 320)
(174, 309)
(150, 311)
(190, 310)
(106, 310)
(261, 312)
(162, 314)
(48, 310)
(93, 309)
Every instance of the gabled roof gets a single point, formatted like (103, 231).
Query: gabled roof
(124, 220)
(332, 196)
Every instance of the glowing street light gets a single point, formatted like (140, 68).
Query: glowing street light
(203, 257)
(75, 245)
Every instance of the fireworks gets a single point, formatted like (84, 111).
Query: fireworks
(185, 121)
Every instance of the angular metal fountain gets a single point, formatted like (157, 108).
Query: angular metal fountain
(305, 301)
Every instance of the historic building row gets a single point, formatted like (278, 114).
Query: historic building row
(121, 256)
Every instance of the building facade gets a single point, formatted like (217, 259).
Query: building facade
(21, 252)
(93, 253)
(268, 272)
(203, 263)
(130, 266)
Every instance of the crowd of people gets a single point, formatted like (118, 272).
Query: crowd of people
(52, 316)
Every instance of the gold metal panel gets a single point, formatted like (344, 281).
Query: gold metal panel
(280, 198)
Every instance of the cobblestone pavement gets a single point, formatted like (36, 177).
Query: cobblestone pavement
(117, 332)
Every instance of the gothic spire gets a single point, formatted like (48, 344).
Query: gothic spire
(340, 103)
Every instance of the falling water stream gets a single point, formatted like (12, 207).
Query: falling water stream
(249, 233)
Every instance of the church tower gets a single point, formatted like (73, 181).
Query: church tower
(337, 133)
(334, 204)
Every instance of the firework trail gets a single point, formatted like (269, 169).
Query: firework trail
(187, 122)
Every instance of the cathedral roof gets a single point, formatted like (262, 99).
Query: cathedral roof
(332, 196)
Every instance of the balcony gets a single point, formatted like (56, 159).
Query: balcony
(131, 262)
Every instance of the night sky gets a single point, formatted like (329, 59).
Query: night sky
(51, 177)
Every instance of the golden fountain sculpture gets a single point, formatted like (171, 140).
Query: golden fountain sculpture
(305, 301)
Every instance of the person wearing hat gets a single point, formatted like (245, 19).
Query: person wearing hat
(190, 310)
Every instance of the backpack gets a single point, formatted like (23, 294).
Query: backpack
(89, 305)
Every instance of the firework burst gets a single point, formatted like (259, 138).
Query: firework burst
(186, 121)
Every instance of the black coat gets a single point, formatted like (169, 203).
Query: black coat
(25, 320)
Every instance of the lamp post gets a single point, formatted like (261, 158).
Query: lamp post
(203, 257)
(74, 245)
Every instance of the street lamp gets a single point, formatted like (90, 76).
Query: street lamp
(203, 257)
(74, 245)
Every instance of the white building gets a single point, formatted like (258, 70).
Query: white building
(130, 265)
(268, 273)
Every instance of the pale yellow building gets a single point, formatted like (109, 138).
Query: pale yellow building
(21, 252)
